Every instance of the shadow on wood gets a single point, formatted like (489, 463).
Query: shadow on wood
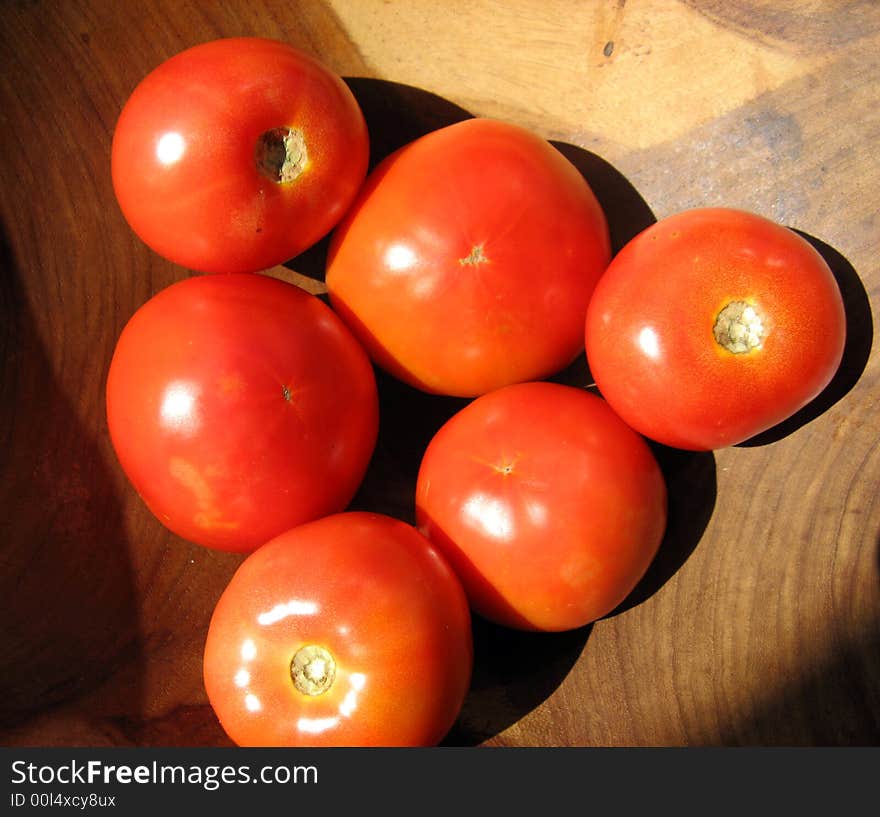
(514, 671)
(692, 490)
(70, 617)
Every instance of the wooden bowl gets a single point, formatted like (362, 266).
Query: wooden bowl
(759, 622)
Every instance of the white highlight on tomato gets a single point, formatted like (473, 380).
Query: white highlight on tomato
(315, 726)
(399, 257)
(178, 404)
(649, 343)
(294, 607)
(491, 515)
(248, 650)
(170, 148)
(252, 702)
(356, 680)
(537, 513)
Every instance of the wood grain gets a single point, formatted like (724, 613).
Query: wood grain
(759, 622)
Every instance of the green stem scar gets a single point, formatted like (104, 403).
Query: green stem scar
(739, 328)
(475, 257)
(312, 669)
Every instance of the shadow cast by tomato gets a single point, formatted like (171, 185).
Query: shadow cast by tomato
(70, 620)
(692, 489)
(396, 114)
(831, 702)
(627, 214)
(408, 419)
(515, 667)
(856, 350)
(514, 672)
(626, 211)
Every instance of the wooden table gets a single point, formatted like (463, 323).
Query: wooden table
(760, 621)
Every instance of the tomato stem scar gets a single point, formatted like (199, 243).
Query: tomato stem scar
(506, 466)
(739, 328)
(475, 257)
(286, 393)
(280, 154)
(312, 669)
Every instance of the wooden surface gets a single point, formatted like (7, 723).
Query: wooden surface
(760, 621)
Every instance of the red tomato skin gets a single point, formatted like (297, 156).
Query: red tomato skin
(468, 258)
(649, 328)
(238, 406)
(386, 605)
(547, 505)
(200, 201)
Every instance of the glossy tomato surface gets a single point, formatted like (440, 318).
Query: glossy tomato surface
(238, 154)
(240, 405)
(348, 631)
(468, 258)
(713, 325)
(548, 506)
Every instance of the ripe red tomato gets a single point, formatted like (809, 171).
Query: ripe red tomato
(348, 631)
(238, 154)
(468, 258)
(713, 325)
(239, 405)
(547, 505)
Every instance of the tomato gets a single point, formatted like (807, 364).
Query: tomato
(713, 325)
(238, 154)
(548, 506)
(239, 405)
(468, 258)
(348, 631)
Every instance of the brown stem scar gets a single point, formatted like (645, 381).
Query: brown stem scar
(280, 154)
